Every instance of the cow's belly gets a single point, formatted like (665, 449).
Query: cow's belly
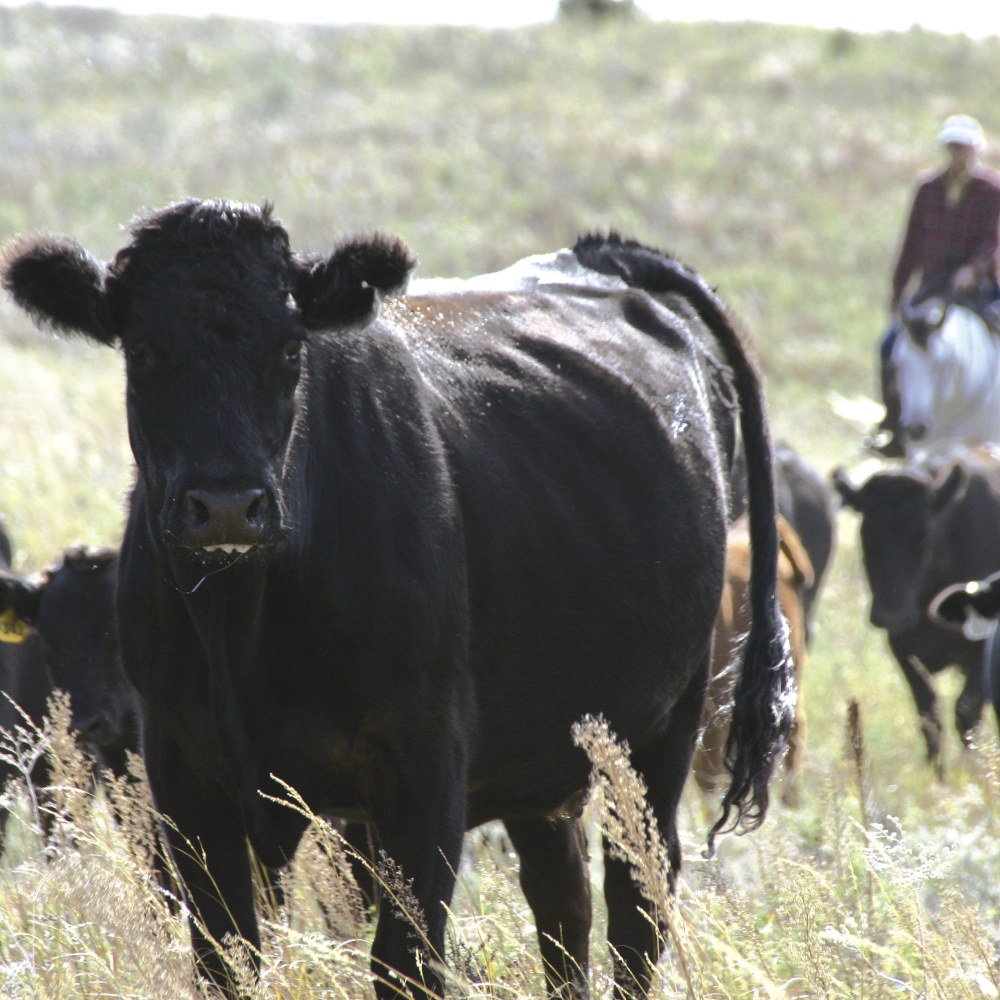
(311, 757)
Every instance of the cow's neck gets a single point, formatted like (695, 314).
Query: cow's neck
(223, 612)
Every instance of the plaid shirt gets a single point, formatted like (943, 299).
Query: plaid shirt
(941, 238)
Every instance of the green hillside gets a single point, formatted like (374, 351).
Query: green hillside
(776, 160)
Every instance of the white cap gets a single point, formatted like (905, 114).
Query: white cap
(964, 130)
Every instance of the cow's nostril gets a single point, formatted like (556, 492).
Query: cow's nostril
(200, 515)
(257, 508)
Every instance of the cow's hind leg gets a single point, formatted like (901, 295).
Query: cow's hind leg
(556, 883)
(637, 932)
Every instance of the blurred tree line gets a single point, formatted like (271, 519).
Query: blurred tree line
(597, 9)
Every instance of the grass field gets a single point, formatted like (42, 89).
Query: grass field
(779, 162)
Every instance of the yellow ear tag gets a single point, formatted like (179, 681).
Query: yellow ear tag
(12, 629)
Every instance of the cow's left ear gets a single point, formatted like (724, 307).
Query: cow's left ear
(946, 491)
(57, 282)
(344, 289)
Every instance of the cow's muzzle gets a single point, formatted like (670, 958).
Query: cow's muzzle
(215, 519)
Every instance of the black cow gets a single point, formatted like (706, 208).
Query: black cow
(973, 607)
(808, 504)
(806, 500)
(392, 559)
(6, 548)
(25, 687)
(968, 605)
(70, 613)
(921, 530)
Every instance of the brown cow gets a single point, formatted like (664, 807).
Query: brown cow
(795, 576)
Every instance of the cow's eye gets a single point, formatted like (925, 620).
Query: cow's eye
(292, 353)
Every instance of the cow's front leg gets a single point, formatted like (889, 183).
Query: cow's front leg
(969, 705)
(556, 882)
(207, 841)
(925, 698)
(419, 836)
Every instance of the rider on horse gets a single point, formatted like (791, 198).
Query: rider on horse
(950, 246)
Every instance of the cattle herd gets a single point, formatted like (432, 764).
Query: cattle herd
(389, 541)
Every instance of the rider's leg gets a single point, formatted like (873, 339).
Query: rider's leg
(887, 440)
(992, 311)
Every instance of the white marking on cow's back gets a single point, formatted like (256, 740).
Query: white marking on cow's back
(526, 275)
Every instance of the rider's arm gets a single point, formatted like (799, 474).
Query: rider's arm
(907, 263)
(985, 217)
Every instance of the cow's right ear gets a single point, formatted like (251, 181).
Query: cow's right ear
(849, 494)
(58, 283)
(20, 603)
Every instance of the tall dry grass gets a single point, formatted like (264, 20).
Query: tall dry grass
(832, 901)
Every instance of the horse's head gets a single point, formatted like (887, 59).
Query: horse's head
(946, 363)
(923, 316)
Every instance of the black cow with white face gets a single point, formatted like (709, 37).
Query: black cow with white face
(922, 529)
(392, 556)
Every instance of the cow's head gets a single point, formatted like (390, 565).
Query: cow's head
(900, 510)
(71, 608)
(213, 313)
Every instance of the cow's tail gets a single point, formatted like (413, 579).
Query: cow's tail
(764, 699)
